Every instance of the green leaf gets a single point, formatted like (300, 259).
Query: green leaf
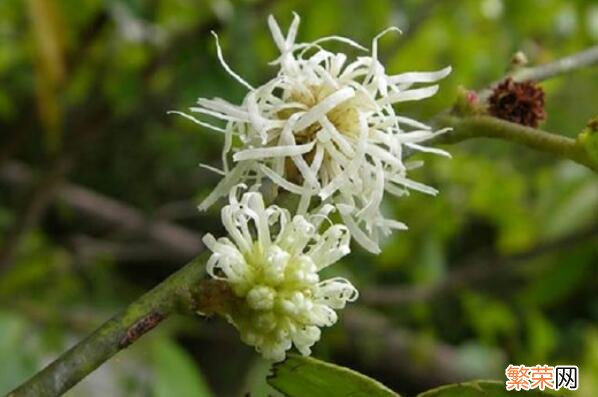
(299, 376)
(176, 373)
(480, 388)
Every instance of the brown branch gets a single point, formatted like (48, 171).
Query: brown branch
(176, 240)
(87, 248)
(400, 353)
(32, 208)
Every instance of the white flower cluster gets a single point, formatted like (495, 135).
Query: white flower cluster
(282, 300)
(325, 128)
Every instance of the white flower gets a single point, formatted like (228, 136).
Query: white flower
(325, 128)
(282, 300)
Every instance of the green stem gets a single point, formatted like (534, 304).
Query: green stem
(492, 127)
(184, 291)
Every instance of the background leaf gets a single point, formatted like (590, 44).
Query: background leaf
(176, 373)
(299, 376)
(11, 351)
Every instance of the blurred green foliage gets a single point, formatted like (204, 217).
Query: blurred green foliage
(92, 81)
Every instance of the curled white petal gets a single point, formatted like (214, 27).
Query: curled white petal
(196, 121)
(276, 151)
(225, 65)
(410, 95)
(420, 77)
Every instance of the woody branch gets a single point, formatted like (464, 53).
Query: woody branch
(184, 291)
(469, 127)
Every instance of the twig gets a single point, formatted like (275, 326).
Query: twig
(403, 354)
(41, 194)
(177, 210)
(492, 127)
(170, 236)
(89, 249)
(184, 291)
(580, 60)
(32, 208)
(182, 243)
(561, 66)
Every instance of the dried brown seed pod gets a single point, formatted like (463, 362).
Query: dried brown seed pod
(518, 102)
